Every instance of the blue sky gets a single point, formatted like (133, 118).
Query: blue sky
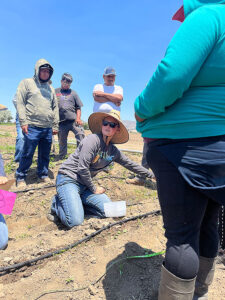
(82, 37)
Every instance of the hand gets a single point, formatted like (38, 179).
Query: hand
(25, 129)
(138, 118)
(99, 190)
(3, 179)
(54, 131)
(118, 103)
(79, 122)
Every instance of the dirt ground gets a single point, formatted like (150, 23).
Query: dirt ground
(95, 269)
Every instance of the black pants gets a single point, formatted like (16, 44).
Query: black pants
(190, 217)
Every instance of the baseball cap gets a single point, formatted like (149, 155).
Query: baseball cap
(46, 66)
(109, 71)
(179, 15)
(67, 76)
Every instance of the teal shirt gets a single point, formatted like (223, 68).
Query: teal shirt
(185, 98)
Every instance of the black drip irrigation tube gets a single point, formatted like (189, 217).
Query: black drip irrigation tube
(28, 263)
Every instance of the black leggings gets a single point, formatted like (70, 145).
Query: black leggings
(190, 218)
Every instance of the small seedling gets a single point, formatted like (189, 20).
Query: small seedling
(69, 280)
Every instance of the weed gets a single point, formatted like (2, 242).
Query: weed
(7, 134)
(69, 280)
(10, 167)
(43, 203)
(121, 269)
(23, 236)
(7, 148)
(140, 224)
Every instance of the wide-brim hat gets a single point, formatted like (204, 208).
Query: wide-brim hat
(6, 186)
(3, 107)
(95, 125)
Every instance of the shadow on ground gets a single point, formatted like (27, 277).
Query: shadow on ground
(133, 279)
(32, 177)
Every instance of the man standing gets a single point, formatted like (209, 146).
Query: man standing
(38, 113)
(69, 114)
(107, 96)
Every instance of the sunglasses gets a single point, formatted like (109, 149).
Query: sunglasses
(67, 80)
(111, 124)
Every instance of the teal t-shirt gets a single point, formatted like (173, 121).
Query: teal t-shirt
(185, 98)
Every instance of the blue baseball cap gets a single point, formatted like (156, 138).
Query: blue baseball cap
(109, 71)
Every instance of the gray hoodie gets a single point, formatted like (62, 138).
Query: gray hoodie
(36, 101)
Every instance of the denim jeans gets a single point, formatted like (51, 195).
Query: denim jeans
(3, 233)
(74, 199)
(190, 217)
(64, 129)
(19, 140)
(41, 137)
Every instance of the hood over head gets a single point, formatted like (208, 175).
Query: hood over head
(190, 5)
(41, 62)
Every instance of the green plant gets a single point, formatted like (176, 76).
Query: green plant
(68, 280)
(10, 167)
(7, 134)
(7, 148)
(23, 236)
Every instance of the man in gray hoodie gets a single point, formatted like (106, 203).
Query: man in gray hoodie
(39, 117)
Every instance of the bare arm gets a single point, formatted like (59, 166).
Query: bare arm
(102, 97)
(78, 120)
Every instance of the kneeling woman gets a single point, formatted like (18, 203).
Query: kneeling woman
(76, 192)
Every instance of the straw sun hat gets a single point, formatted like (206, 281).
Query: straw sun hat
(3, 107)
(95, 125)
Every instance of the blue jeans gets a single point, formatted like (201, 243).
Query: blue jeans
(19, 140)
(3, 233)
(41, 137)
(74, 199)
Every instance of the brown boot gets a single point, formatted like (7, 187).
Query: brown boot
(204, 277)
(172, 287)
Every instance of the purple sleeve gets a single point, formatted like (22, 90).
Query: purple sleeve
(2, 172)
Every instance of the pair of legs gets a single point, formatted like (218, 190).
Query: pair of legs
(64, 129)
(190, 218)
(3, 233)
(19, 140)
(74, 199)
(41, 137)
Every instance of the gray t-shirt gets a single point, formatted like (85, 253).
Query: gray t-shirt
(69, 102)
(92, 156)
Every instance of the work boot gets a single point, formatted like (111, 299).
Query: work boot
(172, 287)
(52, 217)
(21, 184)
(204, 277)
